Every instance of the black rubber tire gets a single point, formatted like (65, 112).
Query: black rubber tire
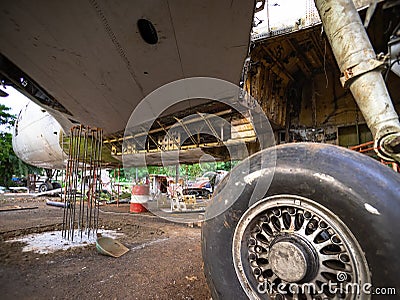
(363, 180)
(56, 185)
(43, 188)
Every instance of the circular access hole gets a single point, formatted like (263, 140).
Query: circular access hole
(147, 31)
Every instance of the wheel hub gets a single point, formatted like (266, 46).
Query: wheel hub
(288, 261)
(290, 240)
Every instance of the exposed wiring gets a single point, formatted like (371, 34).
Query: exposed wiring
(394, 32)
(390, 67)
(326, 76)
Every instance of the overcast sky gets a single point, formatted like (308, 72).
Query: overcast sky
(15, 100)
(281, 13)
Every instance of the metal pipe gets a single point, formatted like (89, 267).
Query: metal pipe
(119, 185)
(361, 72)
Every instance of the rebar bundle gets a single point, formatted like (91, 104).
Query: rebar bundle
(82, 182)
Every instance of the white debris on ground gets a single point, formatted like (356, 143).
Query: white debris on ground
(148, 244)
(51, 241)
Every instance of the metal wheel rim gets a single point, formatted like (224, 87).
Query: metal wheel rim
(252, 264)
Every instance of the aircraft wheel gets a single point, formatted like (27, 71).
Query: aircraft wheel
(56, 185)
(43, 188)
(328, 221)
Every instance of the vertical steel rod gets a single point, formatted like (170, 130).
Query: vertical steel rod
(84, 162)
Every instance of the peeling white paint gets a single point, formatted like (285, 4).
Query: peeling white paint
(141, 246)
(324, 177)
(253, 176)
(36, 138)
(371, 209)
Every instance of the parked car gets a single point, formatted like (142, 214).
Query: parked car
(198, 192)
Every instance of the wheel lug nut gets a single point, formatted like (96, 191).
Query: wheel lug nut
(335, 240)
(344, 258)
(311, 225)
(323, 225)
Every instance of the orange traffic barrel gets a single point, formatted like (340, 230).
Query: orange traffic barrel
(140, 196)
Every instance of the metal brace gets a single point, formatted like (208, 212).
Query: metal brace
(350, 74)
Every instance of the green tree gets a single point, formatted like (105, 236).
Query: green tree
(10, 164)
(5, 117)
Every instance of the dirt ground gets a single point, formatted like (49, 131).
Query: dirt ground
(164, 261)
